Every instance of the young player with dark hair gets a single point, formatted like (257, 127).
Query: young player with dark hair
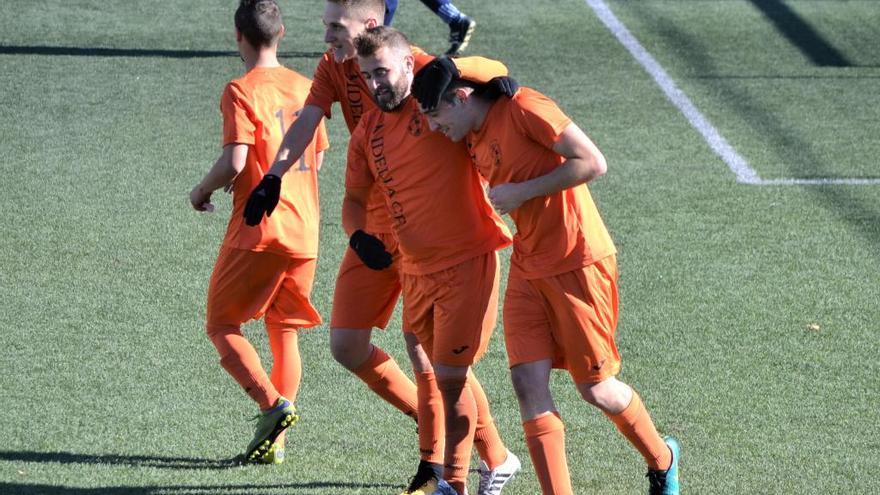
(561, 304)
(268, 269)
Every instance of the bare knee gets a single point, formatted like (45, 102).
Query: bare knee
(417, 355)
(531, 383)
(526, 385)
(350, 348)
(610, 395)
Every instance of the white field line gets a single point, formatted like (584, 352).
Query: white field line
(745, 174)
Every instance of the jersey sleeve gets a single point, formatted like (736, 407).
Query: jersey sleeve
(238, 124)
(357, 170)
(421, 58)
(479, 69)
(323, 91)
(538, 117)
(475, 69)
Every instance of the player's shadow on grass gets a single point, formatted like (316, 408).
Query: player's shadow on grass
(288, 488)
(801, 34)
(123, 460)
(136, 52)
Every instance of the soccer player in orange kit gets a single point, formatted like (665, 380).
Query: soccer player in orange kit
(561, 304)
(448, 261)
(266, 270)
(368, 283)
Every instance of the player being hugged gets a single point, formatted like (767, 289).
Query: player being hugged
(561, 304)
(267, 269)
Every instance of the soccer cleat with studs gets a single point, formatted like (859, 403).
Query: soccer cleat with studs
(275, 455)
(270, 424)
(460, 32)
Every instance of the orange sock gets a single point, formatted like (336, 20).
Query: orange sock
(431, 419)
(460, 409)
(545, 437)
(239, 358)
(287, 366)
(636, 425)
(486, 438)
(382, 374)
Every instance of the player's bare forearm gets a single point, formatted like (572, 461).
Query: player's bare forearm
(231, 161)
(226, 168)
(583, 163)
(219, 176)
(354, 209)
(296, 139)
(479, 69)
(573, 172)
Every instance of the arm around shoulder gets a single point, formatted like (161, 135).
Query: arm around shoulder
(479, 69)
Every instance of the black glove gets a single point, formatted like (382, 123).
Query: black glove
(498, 87)
(370, 250)
(432, 80)
(263, 199)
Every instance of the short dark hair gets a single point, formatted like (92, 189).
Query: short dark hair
(259, 21)
(374, 38)
(364, 7)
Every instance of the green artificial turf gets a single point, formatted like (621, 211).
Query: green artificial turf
(748, 314)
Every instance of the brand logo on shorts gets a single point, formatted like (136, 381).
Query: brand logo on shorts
(460, 349)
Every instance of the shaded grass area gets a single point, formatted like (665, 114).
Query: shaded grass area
(787, 115)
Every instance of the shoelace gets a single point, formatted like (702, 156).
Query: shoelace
(656, 481)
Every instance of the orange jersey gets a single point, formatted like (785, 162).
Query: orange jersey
(257, 110)
(439, 210)
(557, 233)
(343, 82)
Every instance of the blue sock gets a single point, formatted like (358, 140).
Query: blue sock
(390, 9)
(445, 9)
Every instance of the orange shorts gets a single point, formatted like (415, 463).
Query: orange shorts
(365, 298)
(246, 285)
(570, 318)
(453, 312)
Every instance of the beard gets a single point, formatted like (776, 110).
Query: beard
(393, 95)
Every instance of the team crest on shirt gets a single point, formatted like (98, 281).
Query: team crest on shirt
(416, 124)
(495, 147)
